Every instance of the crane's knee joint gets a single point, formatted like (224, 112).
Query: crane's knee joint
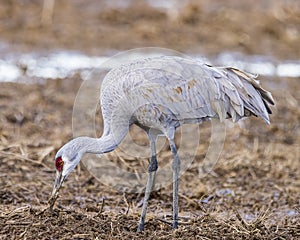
(153, 164)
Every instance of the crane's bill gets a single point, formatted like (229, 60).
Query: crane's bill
(57, 184)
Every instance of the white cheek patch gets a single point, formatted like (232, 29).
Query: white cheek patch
(69, 164)
(66, 168)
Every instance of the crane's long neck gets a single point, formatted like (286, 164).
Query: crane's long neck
(110, 139)
(98, 145)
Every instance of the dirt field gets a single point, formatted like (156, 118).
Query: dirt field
(254, 192)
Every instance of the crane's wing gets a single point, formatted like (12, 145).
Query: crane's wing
(187, 89)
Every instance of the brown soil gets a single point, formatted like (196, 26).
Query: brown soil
(254, 27)
(259, 164)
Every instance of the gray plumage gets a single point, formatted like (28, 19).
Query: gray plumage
(190, 90)
(160, 94)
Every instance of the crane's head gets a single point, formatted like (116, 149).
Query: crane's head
(66, 160)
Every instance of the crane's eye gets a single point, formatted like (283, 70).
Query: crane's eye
(59, 163)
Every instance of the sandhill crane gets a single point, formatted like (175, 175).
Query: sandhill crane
(159, 94)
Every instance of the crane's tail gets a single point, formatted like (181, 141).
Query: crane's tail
(256, 100)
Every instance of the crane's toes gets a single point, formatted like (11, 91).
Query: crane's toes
(140, 227)
(175, 224)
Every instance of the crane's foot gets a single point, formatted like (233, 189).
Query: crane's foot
(140, 227)
(175, 224)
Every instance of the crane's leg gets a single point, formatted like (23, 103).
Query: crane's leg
(153, 165)
(176, 169)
